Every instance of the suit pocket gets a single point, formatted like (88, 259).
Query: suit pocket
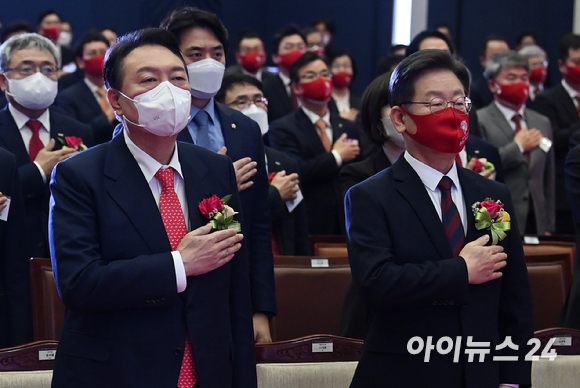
(80, 345)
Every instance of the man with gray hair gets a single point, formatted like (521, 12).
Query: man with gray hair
(30, 130)
(523, 138)
(538, 63)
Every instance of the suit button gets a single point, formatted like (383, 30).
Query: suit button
(178, 352)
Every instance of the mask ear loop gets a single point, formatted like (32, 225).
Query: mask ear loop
(125, 117)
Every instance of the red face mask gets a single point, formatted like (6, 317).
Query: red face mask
(446, 133)
(252, 61)
(288, 59)
(573, 75)
(94, 65)
(516, 93)
(341, 80)
(319, 90)
(51, 33)
(538, 75)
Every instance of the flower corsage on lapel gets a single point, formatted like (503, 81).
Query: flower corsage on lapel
(219, 214)
(491, 215)
(72, 142)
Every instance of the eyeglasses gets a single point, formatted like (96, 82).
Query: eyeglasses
(311, 75)
(26, 70)
(439, 105)
(243, 102)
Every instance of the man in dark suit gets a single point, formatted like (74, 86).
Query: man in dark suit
(560, 105)
(86, 100)
(287, 46)
(203, 40)
(152, 297)
(428, 278)
(32, 131)
(306, 134)
(289, 226)
(480, 94)
(15, 303)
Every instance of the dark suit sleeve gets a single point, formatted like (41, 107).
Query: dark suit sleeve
(277, 206)
(350, 175)
(88, 281)
(562, 134)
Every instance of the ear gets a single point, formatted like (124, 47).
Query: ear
(482, 61)
(113, 96)
(562, 67)
(492, 86)
(3, 82)
(399, 119)
(297, 88)
(276, 59)
(80, 62)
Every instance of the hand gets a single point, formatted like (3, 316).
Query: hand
(486, 173)
(245, 169)
(348, 150)
(47, 158)
(483, 262)
(202, 252)
(529, 139)
(261, 329)
(287, 185)
(349, 114)
(3, 200)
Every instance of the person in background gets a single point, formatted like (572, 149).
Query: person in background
(342, 67)
(526, 38)
(327, 28)
(250, 57)
(287, 46)
(110, 34)
(430, 39)
(16, 28)
(445, 29)
(480, 94)
(314, 40)
(538, 62)
(50, 26)
(65, 37)
(289, 225)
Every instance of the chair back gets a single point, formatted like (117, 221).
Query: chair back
(47, 307)
(28, 357)
(548, 291)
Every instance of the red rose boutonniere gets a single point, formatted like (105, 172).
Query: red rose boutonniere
(219, 214)
(72, 142)
(491, 215)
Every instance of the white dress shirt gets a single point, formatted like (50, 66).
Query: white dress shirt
(342, 104)
(149, 168)
(314, 118)
(286, 82)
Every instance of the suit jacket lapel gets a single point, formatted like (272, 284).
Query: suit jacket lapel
(408, 183)
(308, 132)
(472, 192)
(501, 121)
(337, 127)
(229, 129)
(567, 102)
(12, 138)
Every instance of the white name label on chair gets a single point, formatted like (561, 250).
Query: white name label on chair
(322, 347)
(532, 240)
(562, 341)
(319, 262)
(44, 355)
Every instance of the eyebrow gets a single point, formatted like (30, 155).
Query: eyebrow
(156, 69)
(29, 62)
(199, 48)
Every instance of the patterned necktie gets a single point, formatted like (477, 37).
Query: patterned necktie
(450, 217)
(174, 222)
(201, 119)
(518, 120)
(35, 144)
(321, 125)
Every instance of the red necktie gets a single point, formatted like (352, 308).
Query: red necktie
(321, 125)
(35, 144)
(518, 120)
(174, 221)
(450, 217)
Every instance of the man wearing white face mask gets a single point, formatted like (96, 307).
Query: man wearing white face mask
(203, 40)
(289, 225)
(32, 131)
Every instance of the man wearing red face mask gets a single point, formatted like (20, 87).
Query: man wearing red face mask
(524, 139)
(538, 62)
(49, 26)
(86, 100)
(321, 141)
(250, 57)
(287, 46)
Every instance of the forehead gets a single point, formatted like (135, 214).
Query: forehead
(536, 59)
(292, 39)
(51, 18)
(433, 43)
(496, 46)
(149, 56)
(251, 42)
(439, 82)
(314, 36)
(316, 66)
(342, 59)
(199, 37)
(517, 71)
(95, 45)
(31, 54)
(239, 90)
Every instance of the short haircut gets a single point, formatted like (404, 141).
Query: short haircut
(230, 81)
(533, 51)
(397, 47)
(186, 18)
(310, 30)
(402, 85)
(522, 35)
(332, 53)
(25, 41)
(93, 36)
(374, 98)
(289, 30)
(416, 42)
(246, 34)
(47, 13)
(488, 39)
(308, 57)
(17, 26)
(568, 41)
(500, 61)
(113, 69)
(328, 24)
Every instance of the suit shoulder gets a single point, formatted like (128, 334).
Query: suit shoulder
(240, 119)
(69, 122)
(284, 121)
(73, 90)
(535, 115)
(204, 155)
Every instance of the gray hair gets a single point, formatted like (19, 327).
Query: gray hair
(533, 51)
(26, 41)
(500, 61)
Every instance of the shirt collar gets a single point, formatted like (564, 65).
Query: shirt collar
(428, 175)
(573, 94)
(258, 74)
(284, 79)
(313, 117)
(509, 113)
(344, 99)
(92, 87)
(209, 108)
(21, 119)
(148, 165)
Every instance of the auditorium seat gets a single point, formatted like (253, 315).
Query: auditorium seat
(535, 253)
(309, 261)
(548, 292)
(330, 249)
(47, 307)
(27, 366)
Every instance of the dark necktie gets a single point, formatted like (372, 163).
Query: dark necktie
(518, 120)
(450, 217)
(35, 144)
(201, 119)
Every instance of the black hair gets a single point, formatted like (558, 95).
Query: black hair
(416, 42)
(402, 85)
(289, 30)
(331, 53)
(388, 63)
(304, 60)
(46, 13)
(397, 47)
(488, 39)
(92, 36)
(17, 26)
(232, 80)
(113, 69)
(374, 98)
(185, 18)
(328, 24)
(568, 41)
(245, 34)
(523, 34)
